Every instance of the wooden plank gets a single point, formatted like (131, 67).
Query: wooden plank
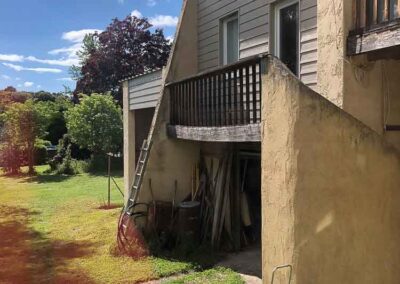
(214, 100)
(224, 111)
(200, 82)
(173, 104)
(384, 37)
(220, 99)
(196, 103)
(210, 101)
(363, 13)
(191, 103)
(229, 106)
(254, 83)
(235, 98)
(247, 94)
(238, 133)
(374, 19)
(242, 119)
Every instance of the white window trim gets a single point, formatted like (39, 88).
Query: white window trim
(279, 6)
(225, 21)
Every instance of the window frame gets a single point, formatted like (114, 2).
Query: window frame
(277, 28)
(224, 36)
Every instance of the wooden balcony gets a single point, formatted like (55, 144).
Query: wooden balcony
(220, 105)
(377, 26)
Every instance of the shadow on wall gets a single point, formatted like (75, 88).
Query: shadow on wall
(28, 256)
(346, 198)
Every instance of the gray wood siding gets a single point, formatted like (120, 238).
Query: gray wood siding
(254, 35)
(308, 43)
(144, 90)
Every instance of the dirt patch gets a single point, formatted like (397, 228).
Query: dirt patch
(109, 207)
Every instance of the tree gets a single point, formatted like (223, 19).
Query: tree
(90, 45)
(125, 48)
(96, 124)
(23, 124)
(10, 89)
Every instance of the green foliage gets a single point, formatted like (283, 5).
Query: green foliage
(67, 167)
(23, 124)
(215, 275)
(96, 124)
(41, 151)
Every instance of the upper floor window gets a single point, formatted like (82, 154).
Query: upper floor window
(230, 39)
(287, 34)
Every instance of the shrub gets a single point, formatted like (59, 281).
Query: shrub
(67, 167)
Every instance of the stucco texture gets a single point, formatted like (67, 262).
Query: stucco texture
(330, 190)
(365, 88)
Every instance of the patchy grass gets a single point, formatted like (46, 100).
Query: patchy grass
(210, 276)
(52, 230)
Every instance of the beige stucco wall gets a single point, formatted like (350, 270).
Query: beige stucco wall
(330, 190)
(354, 84)
(170, 159)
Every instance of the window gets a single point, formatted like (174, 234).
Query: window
(230, 39)
(287, 34)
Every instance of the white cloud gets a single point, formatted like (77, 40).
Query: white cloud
(5, 77)
(65, 61)
(170, 38)
(17, 79)
(38, 86)
(151, 3)
(28, 84)
(11, 57)
(136, 13)
(60, 62)
(38, 70)
(78, 36)
(163, 21)
(19, 85)
(65, 79)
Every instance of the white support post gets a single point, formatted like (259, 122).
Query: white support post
(129, 142)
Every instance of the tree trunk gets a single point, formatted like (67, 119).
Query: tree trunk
(31, 153)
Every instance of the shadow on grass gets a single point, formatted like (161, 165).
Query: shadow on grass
(40, 178)
(114, 174)
(28, 256)
(46, 178)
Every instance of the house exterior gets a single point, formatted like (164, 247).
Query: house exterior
(141, 94)
(312, 87)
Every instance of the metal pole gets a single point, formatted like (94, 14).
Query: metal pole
(109, 180)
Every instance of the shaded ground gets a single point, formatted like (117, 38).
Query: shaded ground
(52, 231)
(246, 262)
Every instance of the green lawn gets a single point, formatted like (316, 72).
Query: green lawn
(52, 231)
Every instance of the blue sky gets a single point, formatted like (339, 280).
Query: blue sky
(39, 38)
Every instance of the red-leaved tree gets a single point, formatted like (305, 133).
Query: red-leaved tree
(126, 48)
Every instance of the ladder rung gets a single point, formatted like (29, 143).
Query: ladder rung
(138, 174)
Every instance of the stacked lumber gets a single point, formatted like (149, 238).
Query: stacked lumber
(213, 191)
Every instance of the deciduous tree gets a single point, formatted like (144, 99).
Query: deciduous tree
(127, 47)
(96, 124)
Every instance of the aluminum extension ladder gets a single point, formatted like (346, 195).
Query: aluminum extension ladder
(138, 178)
